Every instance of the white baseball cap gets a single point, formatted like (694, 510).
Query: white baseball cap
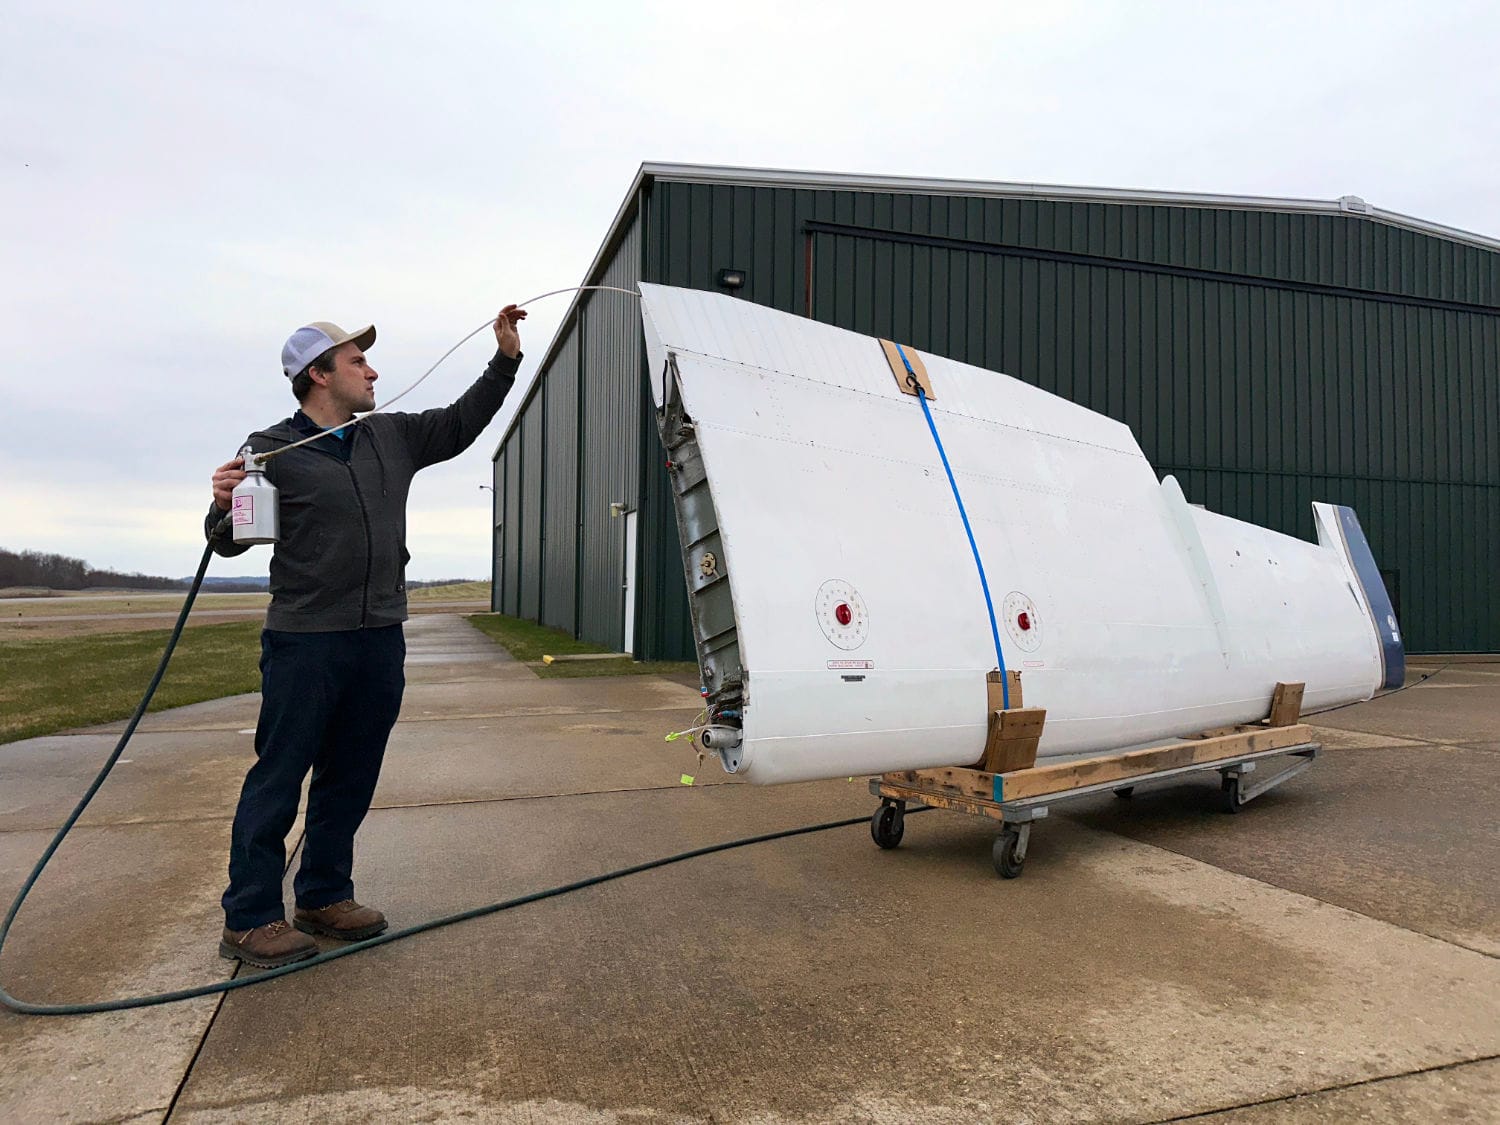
(312, 340)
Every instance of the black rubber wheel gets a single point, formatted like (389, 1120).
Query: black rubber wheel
(1232, 801)
(1126, 791)
(1004, 854)
(887, 826)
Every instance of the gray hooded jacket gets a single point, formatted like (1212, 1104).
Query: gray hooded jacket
(341, 560)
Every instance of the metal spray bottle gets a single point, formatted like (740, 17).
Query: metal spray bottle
(254, 504)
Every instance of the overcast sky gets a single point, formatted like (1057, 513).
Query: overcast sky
(183, 186)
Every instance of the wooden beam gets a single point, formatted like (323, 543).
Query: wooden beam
(958, 783)
(1119, 767)
(942, 800)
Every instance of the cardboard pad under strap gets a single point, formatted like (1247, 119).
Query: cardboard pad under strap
(898, 369)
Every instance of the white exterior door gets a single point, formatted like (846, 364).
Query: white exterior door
(628, 585)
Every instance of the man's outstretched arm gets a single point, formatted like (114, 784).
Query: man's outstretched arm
(436, 435)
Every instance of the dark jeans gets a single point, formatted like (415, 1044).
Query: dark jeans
(328, 702)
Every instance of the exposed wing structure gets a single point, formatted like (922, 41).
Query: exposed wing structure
(837, 604)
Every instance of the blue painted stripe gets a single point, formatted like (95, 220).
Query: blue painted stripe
(969, 531)
(1382, 614)
(999, 788)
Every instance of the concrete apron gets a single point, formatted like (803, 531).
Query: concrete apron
(810, 979)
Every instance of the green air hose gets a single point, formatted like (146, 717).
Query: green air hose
(29, 1008)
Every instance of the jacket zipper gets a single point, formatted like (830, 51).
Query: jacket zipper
(364, 516)
(364, 603)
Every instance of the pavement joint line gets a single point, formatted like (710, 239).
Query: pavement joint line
(1398, 739)
(546, 796)
(152, 823)
(84, 732)
(229, 814)
(1333, 1089)
(1466, 669)
(552, 714)
(208, 1028)
(1308, 719)
(1303, 894)
(187, 1074)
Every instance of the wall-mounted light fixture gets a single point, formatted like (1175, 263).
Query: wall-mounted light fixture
(619, 508)
(731, 279)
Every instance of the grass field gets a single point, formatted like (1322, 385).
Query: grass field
(153, 602)
(528, 642)
(65, 673)
(74, 613)
(454, 592)
(58, 683)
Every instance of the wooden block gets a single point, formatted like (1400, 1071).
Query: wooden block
(1118, 767)
(997, 696)
(898, 369)
(1012, 740)
(996, 699)
(1286, 704)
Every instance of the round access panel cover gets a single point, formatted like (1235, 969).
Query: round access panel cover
(1022, 621)
(841, 614)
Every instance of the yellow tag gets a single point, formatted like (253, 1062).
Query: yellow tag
(687, 779)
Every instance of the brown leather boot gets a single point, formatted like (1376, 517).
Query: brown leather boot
(269, 946)
(347, 921)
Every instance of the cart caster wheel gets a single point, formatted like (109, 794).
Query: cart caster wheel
(1232, 801)
(887, 826)
(1004, 854)
(1125, 791)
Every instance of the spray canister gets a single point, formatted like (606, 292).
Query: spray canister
(253, 505)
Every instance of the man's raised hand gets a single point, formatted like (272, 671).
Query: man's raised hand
(507, 334)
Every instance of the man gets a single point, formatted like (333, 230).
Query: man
(332, 652)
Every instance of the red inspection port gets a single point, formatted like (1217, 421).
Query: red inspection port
(1024, 621)
(843, 613)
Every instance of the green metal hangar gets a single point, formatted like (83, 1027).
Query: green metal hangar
(1268, 352)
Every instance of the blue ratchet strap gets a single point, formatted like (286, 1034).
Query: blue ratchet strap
(911, 377)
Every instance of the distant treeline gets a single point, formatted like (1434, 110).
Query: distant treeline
(58, 572)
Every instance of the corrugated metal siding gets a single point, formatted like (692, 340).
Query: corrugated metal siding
(665, 626)
(532, 509)
(560, 535)
(1204, 330)
(665, 623)
(610, 442)
(510, 591)
(563, 554)
(497, 539)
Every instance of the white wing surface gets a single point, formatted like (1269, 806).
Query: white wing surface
(837, 603)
